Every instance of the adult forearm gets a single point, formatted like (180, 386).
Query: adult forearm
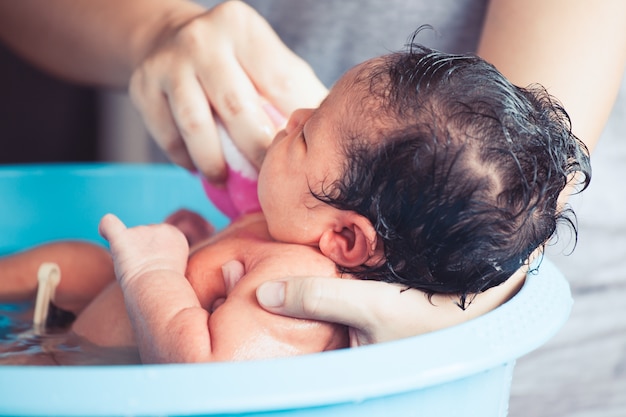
(95, 41)
(574, 48)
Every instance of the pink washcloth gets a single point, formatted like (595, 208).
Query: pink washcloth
(239, 195)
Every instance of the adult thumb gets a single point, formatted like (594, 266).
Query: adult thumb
(334, 300)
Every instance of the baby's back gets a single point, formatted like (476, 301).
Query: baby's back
(240, 329)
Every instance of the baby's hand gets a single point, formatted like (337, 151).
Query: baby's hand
(232, 272)
(143, 249)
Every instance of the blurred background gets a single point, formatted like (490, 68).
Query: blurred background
(44, 119)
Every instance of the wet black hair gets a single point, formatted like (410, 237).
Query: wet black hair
(465, 185)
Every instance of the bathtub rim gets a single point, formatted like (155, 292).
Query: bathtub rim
(494, 339)
(173, 388)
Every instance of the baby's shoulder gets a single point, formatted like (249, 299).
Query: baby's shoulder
(293, 260)
(249, 241)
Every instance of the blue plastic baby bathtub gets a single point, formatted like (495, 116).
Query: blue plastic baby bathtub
(465, 370)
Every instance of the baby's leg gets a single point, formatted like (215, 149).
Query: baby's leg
(104, 321)
(86, 269)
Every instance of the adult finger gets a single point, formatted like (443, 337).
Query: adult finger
(290, 90)
(149, 98)
(377, 311)
(240, 109)
(196, 125)
(249, 67)
(281, 76)
(359, 304)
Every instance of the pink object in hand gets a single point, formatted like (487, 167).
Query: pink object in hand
(239, 195)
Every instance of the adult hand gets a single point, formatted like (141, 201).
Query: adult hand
(376, 311)
(226, 62)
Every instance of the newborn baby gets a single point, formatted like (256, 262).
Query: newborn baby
(420, 168)
(221, 322)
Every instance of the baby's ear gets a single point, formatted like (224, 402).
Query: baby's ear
(352, 242)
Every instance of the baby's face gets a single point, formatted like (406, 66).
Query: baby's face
(306, 156)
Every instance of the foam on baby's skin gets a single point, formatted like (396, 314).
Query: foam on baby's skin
(239, 195)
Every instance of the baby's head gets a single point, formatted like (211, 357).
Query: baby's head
(457, 171)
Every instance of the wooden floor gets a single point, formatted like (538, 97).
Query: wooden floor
(581, 372)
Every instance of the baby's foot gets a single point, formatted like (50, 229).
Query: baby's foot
(194, 227)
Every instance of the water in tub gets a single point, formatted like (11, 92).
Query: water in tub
(22, 343)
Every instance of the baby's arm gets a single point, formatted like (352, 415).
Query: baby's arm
(169, 323)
